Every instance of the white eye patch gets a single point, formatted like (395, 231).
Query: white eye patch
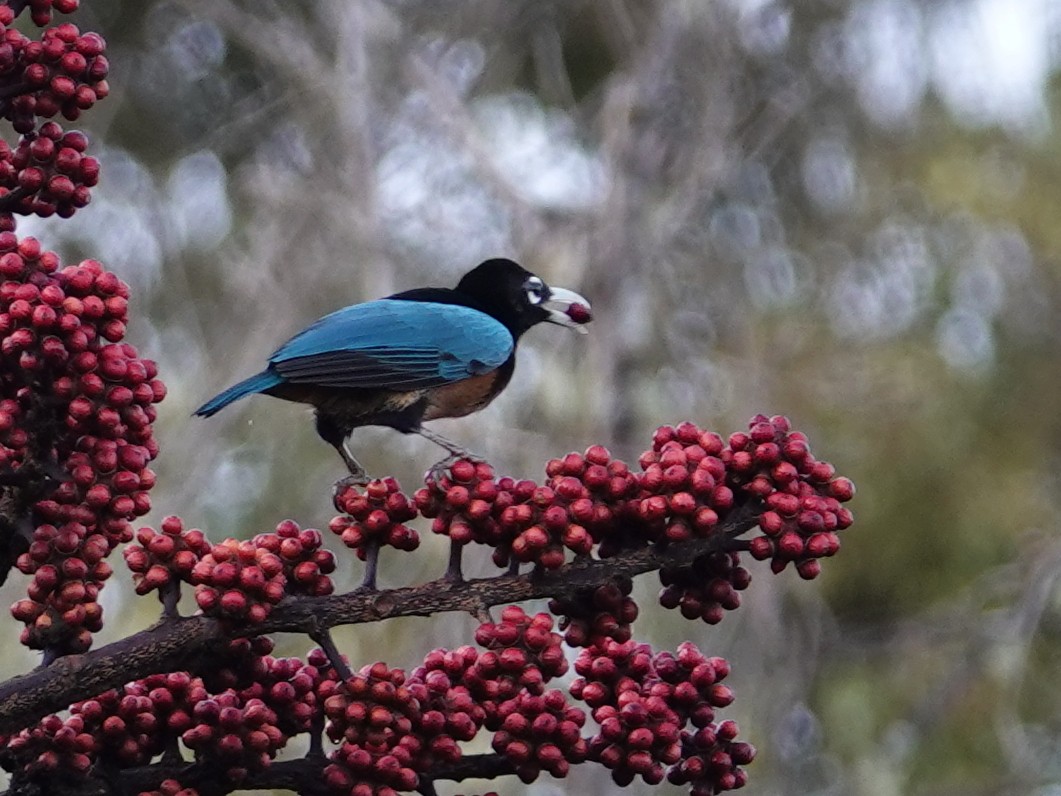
(535, 288)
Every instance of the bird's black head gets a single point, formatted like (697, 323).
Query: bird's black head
(519, 299)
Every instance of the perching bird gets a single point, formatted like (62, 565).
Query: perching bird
(412, 357)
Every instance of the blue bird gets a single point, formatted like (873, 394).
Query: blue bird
(412, 357)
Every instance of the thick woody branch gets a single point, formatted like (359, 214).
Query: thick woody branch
(188, 643)
(304, 776)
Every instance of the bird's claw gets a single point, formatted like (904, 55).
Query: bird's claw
(439, 470)
(340, 486)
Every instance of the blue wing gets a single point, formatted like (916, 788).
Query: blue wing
(394, 344)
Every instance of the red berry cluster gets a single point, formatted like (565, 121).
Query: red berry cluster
(236, 666)
(65, 72)
(288, 686)
(449, 713)
(306, 564)
(540, 732)
(712, 760)
(683, 486)
(166, 556)
(50, 170)
(238, 721)
(172, 697)
(522, 521)
(639, 732)
(595, 614)
(60, 611)
(238, 734)
(801, 494)
(60, 333)
(51, 752)
(41, 10)
(522, 654)
(461, 504)
(170, 787)
(643, 704)
(595, 487)
(696, 681)
(372, 715)
(124, 728)
(60, 337)
(128, 724)
(705, 589)
(376, 515)
(239, 581)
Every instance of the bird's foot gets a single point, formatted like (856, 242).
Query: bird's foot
(345, 483)
(441, 469)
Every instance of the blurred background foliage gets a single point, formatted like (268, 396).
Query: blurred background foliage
(845, 212)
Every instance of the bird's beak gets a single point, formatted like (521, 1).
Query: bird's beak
(567, 308)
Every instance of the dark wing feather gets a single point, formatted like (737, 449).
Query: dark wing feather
(394, 344)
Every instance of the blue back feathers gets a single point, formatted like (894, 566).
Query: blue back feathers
(388, 344)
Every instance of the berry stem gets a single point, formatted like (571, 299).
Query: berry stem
(170, 595)
(324, 638)
(453, 568)
(371, 565)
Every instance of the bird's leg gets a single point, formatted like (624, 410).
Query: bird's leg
(456, 452)
(358, 475)
(335, 435)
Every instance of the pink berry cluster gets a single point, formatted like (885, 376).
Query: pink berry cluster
(235, 666)
(63, 73)
(644, 705)
(376, 515)
(522, 653)
(372, 716)
(461, 503)
(287, 686)
(596, 488)
(683, 484)
(306, 563)
(596, 614)
(239, 581)
(50, 170)
(449, 713)
(706, 588)
(540, 733)
(129, 724)
(51, 752)
(124, 728)
(240, 735)
(522, 521)
(60, 610)
(235, 719)
(690, 480)
(73, 398)
(165, 557)
(170, 787)
(41, 10)
(248, 708)
(801, 494)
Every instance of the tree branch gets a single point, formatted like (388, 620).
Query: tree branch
(187, 643)
(304, 775)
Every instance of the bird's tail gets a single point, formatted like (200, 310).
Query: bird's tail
(256, 383)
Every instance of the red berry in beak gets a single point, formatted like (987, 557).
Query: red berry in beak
(579, 313)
